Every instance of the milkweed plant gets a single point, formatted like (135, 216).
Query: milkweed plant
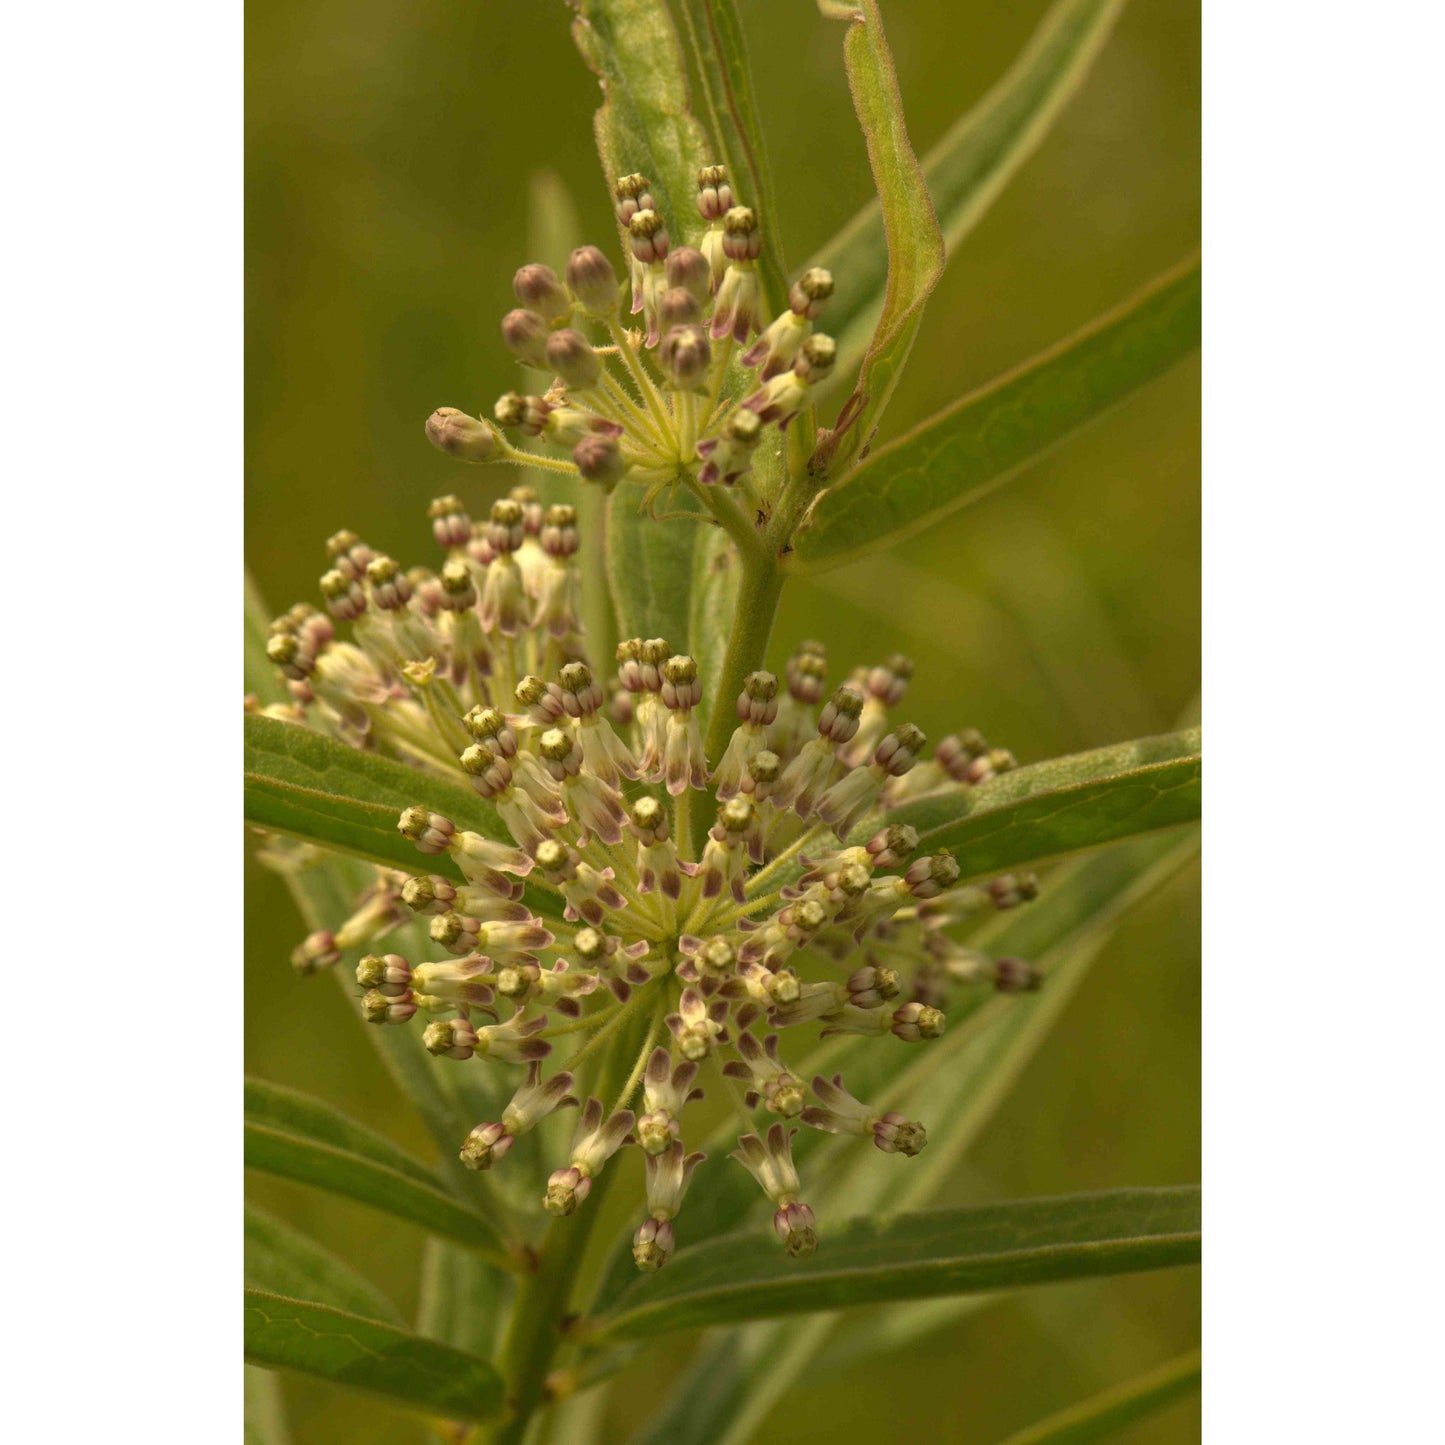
(696, 972)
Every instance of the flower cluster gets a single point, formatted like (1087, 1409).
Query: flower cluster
(653, 403)
(631, 890)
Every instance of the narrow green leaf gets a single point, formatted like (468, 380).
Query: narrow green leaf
(715, 36)
(717, 575)
(293, 1112)
(644, 123)
(265, 1410)
(284, 1261)
(910, 227)
(650, 568)
(302, 1139)
(981, 441)
(461, 1298)
(974, 161)
(363, 1354)
(869, 1260)
(261, 676)
(1064, 805)
(306, 785)
(1103, 1416)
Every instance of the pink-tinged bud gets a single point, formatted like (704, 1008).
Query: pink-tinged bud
(317, 950)
(389, 972)
(652, 1244)
(897, 1134)
(688, 270)
(571, 356)
(634, 194)
(538, 289)
(599, 459)
(685, 355)
(1014, 975)
(677, 307)
(810, 292)
(383, 1008)
(593, 281)
(797, 1229)
(525, 334)
(431, 832)
(461, 436)
(486, 1144)
(648, 236)
(916, 1021)
(714, 195)
(450, 525)
(816, 359)
(742, 241)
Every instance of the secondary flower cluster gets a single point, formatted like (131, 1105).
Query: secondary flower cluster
(630, 898)
(649, 403)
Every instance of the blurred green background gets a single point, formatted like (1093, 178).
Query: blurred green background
(390, 146)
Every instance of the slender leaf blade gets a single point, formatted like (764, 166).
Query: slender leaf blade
(981, 152)
(868, 1260)
(986, 438)
(644, 123)
(461, 1298)
(298, 1138)
(309, 786)
(1063, 806)
(310, 1118)
(1105, 1414)
(345, 1349)
(284, 1261)
(715, 34)
(910, 227)
(302, 783)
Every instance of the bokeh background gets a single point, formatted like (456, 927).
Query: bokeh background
(391, 149)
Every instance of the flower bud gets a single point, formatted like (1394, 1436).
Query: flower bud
(461, 436)
(685, 355)
(599, 459)
(525, 335)
(688, 270)
(538, 289)
(634, 194)
(714, 195)
(593, 281)
(677, 307)
(571, 356)
(810, 292)
(647, 233)
(816, 358)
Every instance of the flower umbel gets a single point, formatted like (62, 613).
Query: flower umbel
(654, 405)
(634, 898)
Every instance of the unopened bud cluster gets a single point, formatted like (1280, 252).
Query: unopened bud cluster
(712, 911)
(655, 403)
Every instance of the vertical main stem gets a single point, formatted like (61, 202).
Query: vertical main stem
(762, 585)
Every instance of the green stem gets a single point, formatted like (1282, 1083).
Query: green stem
(762, 585)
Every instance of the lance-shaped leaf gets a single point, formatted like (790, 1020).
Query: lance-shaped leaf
(644, 123)
(715, 36)
(284, 1261)
(915, 243)
(1103, 1416)
(306, 785)
(870, 1260)
(295, 1137)
(1048, 809)
(986, 438)
(973, 162)
(362, 1354)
